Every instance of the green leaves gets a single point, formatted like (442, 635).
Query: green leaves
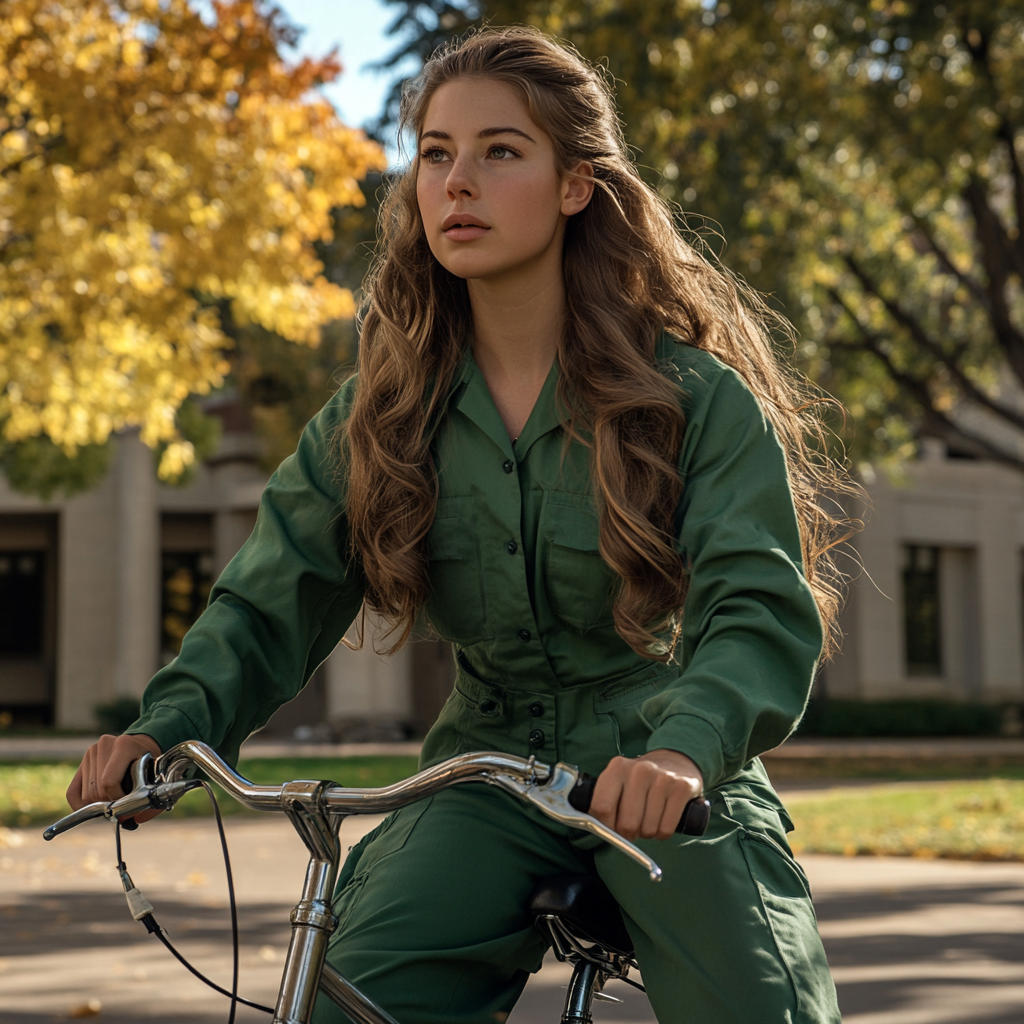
(38, 467)
(865, 161)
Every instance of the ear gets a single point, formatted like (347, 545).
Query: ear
(577, 188)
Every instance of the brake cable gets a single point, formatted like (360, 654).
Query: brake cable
(142, 910)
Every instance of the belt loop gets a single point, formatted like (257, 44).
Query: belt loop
(489, 699)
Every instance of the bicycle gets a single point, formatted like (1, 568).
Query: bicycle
(576, 913)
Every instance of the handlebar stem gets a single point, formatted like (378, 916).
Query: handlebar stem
(313, 918)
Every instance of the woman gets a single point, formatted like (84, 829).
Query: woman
(570, 450)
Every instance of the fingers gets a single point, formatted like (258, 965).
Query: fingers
(120, 756)
(104, 766)
(664, 793)
(604, 805)
(672, 813)
(93, 763)
(642, 803)
(74, 791)
(645, 797)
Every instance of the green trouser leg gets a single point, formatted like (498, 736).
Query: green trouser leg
(433, 925)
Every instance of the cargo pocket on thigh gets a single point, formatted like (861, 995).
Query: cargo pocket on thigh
(367, 855)
(789, 912)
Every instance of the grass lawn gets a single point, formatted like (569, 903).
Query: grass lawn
(892, 769)
(32, 793)
(977, 820)
(965, 820)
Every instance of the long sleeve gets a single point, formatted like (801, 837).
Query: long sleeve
(751, 633)
(278, 609)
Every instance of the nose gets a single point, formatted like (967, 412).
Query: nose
(461, 181)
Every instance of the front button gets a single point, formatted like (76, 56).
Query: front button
(537, 738)
(508, 465)
(524, 635)
(536, 709)
(512, 547)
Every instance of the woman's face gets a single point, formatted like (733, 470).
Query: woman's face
(492, 201)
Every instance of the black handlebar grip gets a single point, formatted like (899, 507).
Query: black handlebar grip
(127, 785)
(694, 821)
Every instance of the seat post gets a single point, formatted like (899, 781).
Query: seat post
(580, 995)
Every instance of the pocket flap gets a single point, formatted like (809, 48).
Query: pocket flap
(572, 521)
(449, 537)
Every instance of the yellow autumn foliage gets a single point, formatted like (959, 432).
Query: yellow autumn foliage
(156, 170)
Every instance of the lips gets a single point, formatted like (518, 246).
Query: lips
(462, 221)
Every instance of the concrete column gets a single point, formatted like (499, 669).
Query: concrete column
(365, 685)
(231, 529)
(878, 632)
(138, 567)
(1000, 602)
(87, 600)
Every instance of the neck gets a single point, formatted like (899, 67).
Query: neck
(516, 327)
(517, 323)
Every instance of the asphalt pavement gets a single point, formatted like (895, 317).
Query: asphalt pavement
(909, 941)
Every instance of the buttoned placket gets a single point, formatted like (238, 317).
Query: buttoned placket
(509, 577)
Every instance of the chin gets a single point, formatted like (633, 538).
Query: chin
(471, 270)
(477, 267)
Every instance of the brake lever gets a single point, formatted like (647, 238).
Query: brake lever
(159, 797)
(551, 797)
(148, 796)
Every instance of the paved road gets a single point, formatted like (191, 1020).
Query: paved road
(910, 942)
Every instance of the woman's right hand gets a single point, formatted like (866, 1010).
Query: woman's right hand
(103, 767)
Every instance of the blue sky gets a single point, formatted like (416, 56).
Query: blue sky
(357, 28)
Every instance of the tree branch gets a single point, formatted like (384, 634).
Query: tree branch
(946, 262)
(997, 257)
(914, 328)
(1008, 134)
(917, 388)
(978, 43)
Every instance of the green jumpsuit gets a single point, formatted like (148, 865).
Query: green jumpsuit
(431, 903)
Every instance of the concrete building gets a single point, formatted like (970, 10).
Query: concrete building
(938, 609)
(97, 590)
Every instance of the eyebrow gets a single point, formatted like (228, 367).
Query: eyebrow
(486, 133)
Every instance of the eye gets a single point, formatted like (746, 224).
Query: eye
(501, 152)
(433, 155)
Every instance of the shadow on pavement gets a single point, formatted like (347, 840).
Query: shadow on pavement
(883, 969)
(37, 925)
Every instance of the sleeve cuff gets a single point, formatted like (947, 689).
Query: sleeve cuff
(697, 739)
(167, 725)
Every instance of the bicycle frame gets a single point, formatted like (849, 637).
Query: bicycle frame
(316, 809)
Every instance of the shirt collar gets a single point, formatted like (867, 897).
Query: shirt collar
(473, 399)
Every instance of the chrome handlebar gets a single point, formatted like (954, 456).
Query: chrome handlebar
(159, 783)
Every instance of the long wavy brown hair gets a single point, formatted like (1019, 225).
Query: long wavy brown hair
(629, 274)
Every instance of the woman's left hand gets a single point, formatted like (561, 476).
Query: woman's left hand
(644, 797)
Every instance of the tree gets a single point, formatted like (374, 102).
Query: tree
(159, 173)
(281, 386)
(864, 158)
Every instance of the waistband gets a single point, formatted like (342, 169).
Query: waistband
(605, 695)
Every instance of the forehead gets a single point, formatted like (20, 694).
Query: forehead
(475, 104)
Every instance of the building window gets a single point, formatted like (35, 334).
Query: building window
(21, 602)
(187, 579)
(921, 610)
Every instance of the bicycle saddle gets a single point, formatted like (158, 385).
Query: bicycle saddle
(586, 907)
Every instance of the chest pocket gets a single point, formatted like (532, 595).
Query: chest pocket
(578, 583)
(456, 607)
